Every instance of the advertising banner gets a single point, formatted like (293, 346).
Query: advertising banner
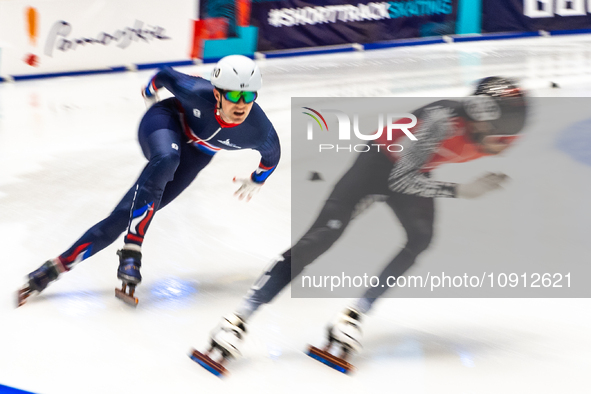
(40, 37)
(534, 15)
(287, 24)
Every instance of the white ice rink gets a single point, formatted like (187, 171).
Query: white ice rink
(68, 152)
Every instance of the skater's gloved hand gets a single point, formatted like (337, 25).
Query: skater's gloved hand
(150, 94)
(248, 188)
(482, 185)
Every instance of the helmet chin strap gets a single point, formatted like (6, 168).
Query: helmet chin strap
(220, 112)
(219, 109)
(218, 106)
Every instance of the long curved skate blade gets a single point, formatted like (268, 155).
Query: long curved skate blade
(331, 360)
(127, 298)
(214, 367)
(22, 295)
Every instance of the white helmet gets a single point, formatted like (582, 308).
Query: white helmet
(236, 72)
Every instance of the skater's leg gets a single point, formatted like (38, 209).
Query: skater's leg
(95, 239)
(192, 162)
(270, 283)
(159, 134)
(416, 214)
(100, 235)
(108, 230)
(344, 333)
(328, 227)
(162, 148)
(366, 177)
(159, 130)
(172, 166)
(352, 193)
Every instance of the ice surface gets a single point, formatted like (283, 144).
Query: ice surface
(68, 152)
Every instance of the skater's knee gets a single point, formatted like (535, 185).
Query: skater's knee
(315, 242)
(334, 216)
(419, 239)
(165, 163)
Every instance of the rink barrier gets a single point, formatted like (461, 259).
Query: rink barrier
(404, 43)
(421, 41)
(566, 32)
(216, 59)
(496, 36)
(68, 74)
(313, 51)
(180, 63)
(133, 67)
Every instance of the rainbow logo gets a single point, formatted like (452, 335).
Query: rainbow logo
(315, 118)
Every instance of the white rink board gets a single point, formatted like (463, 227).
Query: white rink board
(124, 33)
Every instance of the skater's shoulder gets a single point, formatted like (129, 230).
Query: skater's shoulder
(257, 118)
(448, 104)
(441, 109)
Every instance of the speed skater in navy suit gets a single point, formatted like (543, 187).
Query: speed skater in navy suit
(179, 136)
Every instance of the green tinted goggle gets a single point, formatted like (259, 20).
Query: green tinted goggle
(234, 96)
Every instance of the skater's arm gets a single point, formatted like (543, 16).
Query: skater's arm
(180, 85)
(406, 176)
(270, 151)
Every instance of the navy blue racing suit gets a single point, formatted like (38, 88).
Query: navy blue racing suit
(179, 136)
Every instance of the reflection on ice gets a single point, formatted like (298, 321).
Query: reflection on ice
(171, 293)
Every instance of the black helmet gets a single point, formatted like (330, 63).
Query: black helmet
(500, 102)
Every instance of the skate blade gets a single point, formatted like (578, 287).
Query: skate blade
(22, 295)
(331, 360)
(214, 367)
(128, 299)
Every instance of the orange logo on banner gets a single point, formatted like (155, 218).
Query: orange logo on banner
(33, 24)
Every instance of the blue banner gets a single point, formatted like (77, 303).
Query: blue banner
(534, 15)
(287, 24)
